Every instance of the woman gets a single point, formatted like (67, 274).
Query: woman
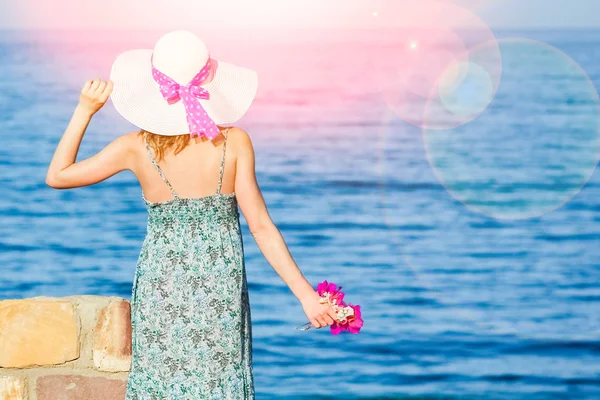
(191, 330)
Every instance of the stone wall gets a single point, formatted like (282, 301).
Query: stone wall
(68, 348)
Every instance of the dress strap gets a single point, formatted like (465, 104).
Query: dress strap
(222, 161)
(162, 175)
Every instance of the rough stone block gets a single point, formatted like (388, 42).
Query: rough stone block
(13, 388)
(112, 337)
(37, 332)
(79, 387)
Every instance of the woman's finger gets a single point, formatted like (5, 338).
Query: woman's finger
(107, 91)
(95, 84)
(332, 313)
(315, 323)
(101, 87)
(86, 86)
(109, 86)
(328, 319)
(322, 321)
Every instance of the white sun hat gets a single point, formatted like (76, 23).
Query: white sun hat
(177, 88)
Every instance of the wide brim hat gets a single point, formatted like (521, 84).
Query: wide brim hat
(179, 56)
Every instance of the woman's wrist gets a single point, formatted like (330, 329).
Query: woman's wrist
(303, 290)
(83, 111)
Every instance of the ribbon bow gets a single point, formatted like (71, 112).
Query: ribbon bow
(198, 120)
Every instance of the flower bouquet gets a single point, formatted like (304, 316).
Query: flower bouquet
(348, 315)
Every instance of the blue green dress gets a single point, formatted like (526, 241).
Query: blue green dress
(190, 310)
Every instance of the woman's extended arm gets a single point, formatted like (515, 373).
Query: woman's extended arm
(269, 239)
(64, 172)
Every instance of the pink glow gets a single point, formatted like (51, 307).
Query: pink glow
(243, 14)
(334, 78)
(421, 67)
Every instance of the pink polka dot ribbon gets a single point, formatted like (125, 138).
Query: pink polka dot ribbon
(198, 120)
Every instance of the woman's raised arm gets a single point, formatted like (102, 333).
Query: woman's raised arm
(64, 172)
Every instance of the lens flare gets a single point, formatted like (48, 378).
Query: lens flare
(428, 75)
(535, 145)
(466, 89)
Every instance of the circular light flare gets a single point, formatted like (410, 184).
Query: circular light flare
(466, 89)
(414, 72)
(535, 146)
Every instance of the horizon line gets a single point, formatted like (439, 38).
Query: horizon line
(525, 28)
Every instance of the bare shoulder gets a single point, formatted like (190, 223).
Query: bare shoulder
(128, 147)
(129, 140)
(239, 140)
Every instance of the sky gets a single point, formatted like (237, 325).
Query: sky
(172, 14)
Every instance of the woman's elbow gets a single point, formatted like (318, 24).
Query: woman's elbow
(53, 182)
(260, 228)
(50, 182)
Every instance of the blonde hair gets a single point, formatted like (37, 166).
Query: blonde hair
(161, 143)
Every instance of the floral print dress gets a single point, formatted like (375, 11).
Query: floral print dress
(190, 310)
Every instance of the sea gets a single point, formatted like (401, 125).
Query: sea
(472, 245)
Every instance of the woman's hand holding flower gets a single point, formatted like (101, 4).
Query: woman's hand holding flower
(319, 312)
(329, 308)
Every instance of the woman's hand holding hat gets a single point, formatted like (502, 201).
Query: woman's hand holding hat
(94, 95)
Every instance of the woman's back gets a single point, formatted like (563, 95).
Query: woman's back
(192, 173)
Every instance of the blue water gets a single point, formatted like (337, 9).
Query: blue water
(462, 298)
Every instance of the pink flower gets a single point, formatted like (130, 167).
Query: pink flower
(332, 291)
(338, 297)
(352, 323)
(326, 287)
(355, 321)
(336, 328)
